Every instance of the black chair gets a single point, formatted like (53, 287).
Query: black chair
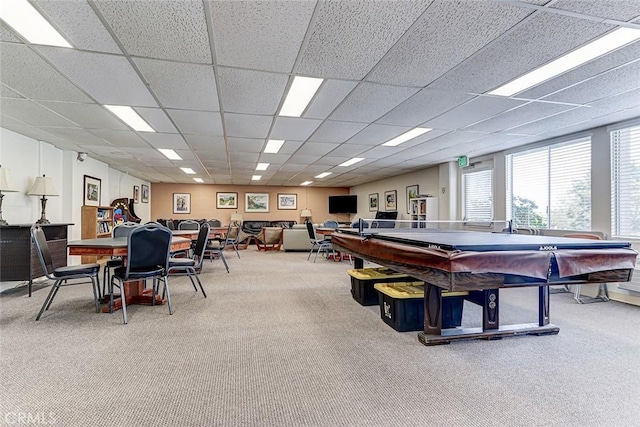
(148, 249)
(120, 230)
(230, 239)
(60, 275)
(189, 225)
(216, 247)
(192, 266)
(317, 244)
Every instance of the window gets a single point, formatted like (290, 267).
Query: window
(625, 182)
(550, 187)
(478, 195)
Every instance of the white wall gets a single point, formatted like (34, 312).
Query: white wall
(27, 158)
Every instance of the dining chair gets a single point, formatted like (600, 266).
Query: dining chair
(216, 247)
(148, 248)
(189, 225)
(120, 230)
(231, 238)
(192, 266)
(317, 244)
(60, 275)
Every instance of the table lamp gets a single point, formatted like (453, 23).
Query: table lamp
(6, 186)
(306, 214)
(43, 186)
(236, 218)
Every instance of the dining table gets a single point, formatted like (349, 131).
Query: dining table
(214, 233)
(117, 247)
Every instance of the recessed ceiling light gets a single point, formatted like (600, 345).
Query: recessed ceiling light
(352, 161)
(300, 93)
(596, 48)
(306, 183)
(256, 177)
(170, 154)
(273, 146)
(262, 166)
(130, 117)
(406, 136)
(323, 174)
(198, 179)
(27, 21)
(188, 171)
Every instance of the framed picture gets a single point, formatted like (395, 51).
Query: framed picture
(256, 202)
(91, 190)
(390, 198)
(287, 201)
(181, 203)
(373, 202)
(136, 194)
(227, 200)
(412, 193)
(145, 193)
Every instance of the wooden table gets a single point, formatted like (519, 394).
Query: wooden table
(214, 232)
(109, 246)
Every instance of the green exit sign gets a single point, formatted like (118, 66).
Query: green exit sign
(463, 161)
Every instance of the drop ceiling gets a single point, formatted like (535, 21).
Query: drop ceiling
(210, 77)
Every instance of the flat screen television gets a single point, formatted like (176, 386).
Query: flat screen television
(343, 204)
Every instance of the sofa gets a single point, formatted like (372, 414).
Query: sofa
(296, 238)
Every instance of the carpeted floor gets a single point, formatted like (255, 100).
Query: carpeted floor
(280, 342)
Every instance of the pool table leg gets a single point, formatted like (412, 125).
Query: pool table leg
(543, 305)
(358, 262)
(432, 310)
(490, 310)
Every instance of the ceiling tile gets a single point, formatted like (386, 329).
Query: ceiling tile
(369, 101)
(622, 10)
(35, 133)
(27, 73)
(79, 23)
(426, 52)
(164, 140)
(251, 92)
(424, 105)
(621, 101)
(157, 119)
(31, 113)
(197, 122)
(519, 116)
(167, 80)
(245, 145)
(349, 37)
(274, 158)
(6, 35)
(316, 148)
(78, 136)
(204, 142)
(6, 92)
(121, 138)
(380, 152)
(244, 33)
(329, 96)
(293, 128)
(479, 108)
(337, 132)
(247, 126)
(377, 134)
(530, 45)
(576, 115)
(349, 150)
(175, 30)
(110, 79)
(91, 116)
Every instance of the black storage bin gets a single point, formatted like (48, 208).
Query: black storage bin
(363, 280)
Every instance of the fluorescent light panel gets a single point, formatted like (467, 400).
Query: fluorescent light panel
(256, 177)
(596, 48)
(352, 161)
(273, 146)
(300, 94)
(323, 174)
(170, 154)
(26, 20)
(406, 136)
(198, 179)
(188, 171)
(306, 183)
(262, 166)
(130, 117)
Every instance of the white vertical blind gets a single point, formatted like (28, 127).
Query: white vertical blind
(478, 195)
(550, 187)
(625, 182)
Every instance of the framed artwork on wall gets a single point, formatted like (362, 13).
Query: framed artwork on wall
(145, 193)
(227, 200)
(373, 202)
(256, 202)
(287, 201)
(181, 203)
(390, 198)
(91, 191)
(412, 193)
(136, 194)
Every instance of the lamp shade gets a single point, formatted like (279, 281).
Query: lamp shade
(305, 213)
(5, 181)
(236, 217)
(42, 186)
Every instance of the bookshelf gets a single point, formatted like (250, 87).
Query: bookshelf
(422, 210)
(97, 222)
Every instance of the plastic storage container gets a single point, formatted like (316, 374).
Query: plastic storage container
(402, 306)
(363, 280)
